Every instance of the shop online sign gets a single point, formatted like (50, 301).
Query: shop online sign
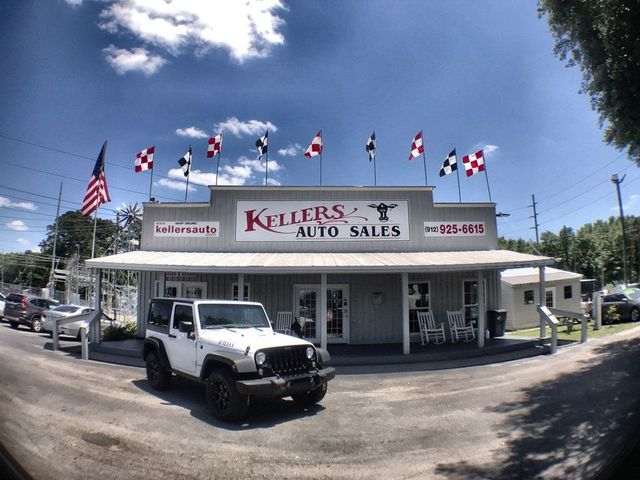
(186, 229)
(322, 220)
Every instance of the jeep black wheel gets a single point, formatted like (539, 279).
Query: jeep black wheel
(36, 324)
(223, 398)
(14, 325)
(157, 376)
(311, 397)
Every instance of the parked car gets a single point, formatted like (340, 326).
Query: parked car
(63, 311)
(21, 309)
(2, 299)
(627, 303)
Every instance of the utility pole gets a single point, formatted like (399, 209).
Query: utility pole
(617, 182)
(535, 218)
(52, 278)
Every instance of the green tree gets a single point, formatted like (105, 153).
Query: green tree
(602, 37)
(75, 235)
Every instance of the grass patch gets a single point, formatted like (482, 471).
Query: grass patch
(575, 334)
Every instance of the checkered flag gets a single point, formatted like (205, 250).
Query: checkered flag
(417, 147)
(316, 146)
(370, 146)
(261, 145)
(144, 159)
(185, 163)
(215, 146)
(473, 163)
(450, 164)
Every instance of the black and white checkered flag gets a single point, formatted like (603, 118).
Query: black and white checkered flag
(261, 145)
(185, 163)
(370, 146)
(450, 164)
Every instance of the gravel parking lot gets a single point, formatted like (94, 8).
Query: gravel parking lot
(563, 416)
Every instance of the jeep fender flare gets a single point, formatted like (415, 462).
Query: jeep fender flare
(151, 344)
(236, 362)
(323, 356)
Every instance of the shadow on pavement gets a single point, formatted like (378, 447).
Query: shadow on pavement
(575, 426)
(261, 414)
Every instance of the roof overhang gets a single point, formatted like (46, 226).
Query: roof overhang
(273, 263)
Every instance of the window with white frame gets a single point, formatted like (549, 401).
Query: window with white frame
(247, 292)
(470, 300)
(419, 301)
(549, 297)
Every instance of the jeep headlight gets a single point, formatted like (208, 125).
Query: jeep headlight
(311, 353)
(261, 358)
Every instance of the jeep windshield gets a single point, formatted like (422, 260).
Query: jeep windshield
(227, 315)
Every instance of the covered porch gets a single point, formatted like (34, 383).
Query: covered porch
(380, 282)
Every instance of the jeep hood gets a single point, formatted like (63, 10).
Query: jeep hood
(238, 339)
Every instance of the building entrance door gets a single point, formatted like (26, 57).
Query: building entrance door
(307, 311)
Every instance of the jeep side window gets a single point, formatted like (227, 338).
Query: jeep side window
(159, 313)
(182, 313)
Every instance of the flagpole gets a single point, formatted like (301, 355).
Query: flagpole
(219, 153)
(486, 177)
(99, 200)
(321, 150)
(186, 190)
(151, 181)
(424, 162)
(266, 164)
(458, 175)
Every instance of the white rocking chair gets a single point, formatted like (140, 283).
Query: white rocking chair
(283, 322)
(428, 330)
(460, 330)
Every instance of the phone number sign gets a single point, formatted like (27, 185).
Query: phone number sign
(454, 229)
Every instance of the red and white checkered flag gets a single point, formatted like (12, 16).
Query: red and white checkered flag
(144, 159)
(215, 146)
(473, 163)
(417, 147)
(316, 146)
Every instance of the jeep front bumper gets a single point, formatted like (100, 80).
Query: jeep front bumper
(283, 387)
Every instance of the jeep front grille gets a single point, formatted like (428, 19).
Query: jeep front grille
(287, 360)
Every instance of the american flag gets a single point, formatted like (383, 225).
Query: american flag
(473, 163)
(215, 146)
(144, 159)
(97, 191)
(416, 146)
(316, 146)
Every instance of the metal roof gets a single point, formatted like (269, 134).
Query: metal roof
(365, 262)
(525, 276)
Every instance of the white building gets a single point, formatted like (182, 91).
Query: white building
(521, 294)
(356, 262)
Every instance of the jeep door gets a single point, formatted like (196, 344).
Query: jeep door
(182, 345)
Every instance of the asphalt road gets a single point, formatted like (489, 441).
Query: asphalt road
(562, 416)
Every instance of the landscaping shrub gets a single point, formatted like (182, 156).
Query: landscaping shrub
(122, 331)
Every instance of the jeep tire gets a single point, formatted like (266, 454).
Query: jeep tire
(223, 398)
(310, 397)
(158, 377)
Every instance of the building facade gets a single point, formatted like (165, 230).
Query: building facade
(352, 264)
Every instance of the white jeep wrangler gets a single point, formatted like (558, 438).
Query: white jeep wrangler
(232, 348)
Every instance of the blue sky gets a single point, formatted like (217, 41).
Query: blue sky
(138, 73)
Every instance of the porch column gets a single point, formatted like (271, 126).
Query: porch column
(323, 311)
(542, 302)
(240, 287)
(481, 310)
(95, 334)
(406, 344)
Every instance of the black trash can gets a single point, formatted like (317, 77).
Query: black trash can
(496, 322)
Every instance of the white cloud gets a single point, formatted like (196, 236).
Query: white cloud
(239, 128)
(259, 165)
(175, 185)
(192, 132)
(135, 60)
(247, 29)
(18, 226)
(5, 202)
(23, 241)
(74, 3)
(291, 150)
(489, 149)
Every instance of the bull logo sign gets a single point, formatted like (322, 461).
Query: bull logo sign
(382, 209)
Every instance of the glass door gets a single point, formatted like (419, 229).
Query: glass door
(337, 314)
(306, 311)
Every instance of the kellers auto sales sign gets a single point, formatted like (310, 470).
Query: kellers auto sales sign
(322, 220)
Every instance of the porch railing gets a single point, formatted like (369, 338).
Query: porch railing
(548, 318)
(559, 312)
(92, 327)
